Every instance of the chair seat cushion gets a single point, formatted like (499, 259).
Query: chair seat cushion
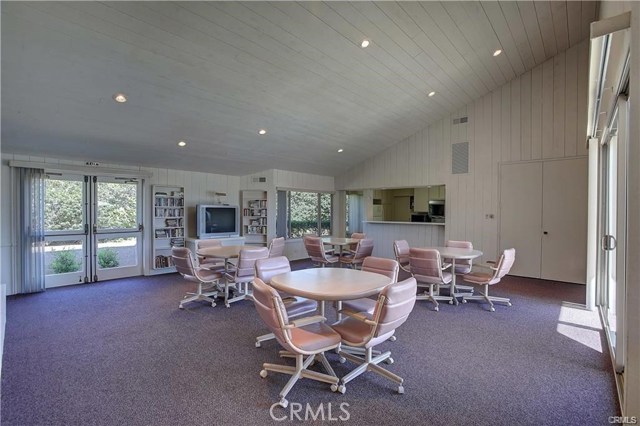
(353, 331)
(360, 305)
(478, 278)
(446, 278)
(299, 305)
(314, 337)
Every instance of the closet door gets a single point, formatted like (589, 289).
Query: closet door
(564, 220)
(520, 215)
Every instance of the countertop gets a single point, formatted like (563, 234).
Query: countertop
(391, 222)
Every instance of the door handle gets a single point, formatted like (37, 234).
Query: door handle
(609, 242)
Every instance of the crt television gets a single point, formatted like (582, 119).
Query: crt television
(217, 221)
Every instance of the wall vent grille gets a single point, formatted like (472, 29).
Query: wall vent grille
(460, 158)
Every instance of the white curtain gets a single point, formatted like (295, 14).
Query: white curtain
(29, 190)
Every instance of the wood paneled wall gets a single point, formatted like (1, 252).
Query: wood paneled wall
(541, 114)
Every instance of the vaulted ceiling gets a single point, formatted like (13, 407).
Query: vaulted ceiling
(214, 73)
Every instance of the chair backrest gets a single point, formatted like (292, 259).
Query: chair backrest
(401, 250)
(268, 268)
(272, 311)
(399, 299)
(247, 261)
(209, 243)
(380, 265)
(276, 248)
(358, 236)
(183, 261)
(426, 264)
(315, 249)
(364, 249)
(461, 244)
(504, 264)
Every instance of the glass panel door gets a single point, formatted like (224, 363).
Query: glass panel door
(65, 230)
(116, 231)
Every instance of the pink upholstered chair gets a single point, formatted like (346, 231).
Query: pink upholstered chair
(401, 249)
(362, 330)
(427, 269)
(378, 265)
(357, 236)
(243, 274)
(307, 337)
(209, 263)
(498, 270)
(295, 305)
(463, 266)
(315, 249)
(363, 250)
(276, 247)
(186, 266)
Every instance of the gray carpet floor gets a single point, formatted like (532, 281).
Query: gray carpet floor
(122, 353)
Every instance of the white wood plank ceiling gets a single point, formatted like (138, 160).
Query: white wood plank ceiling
(213, 74)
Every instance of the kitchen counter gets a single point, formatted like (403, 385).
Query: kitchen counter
(393, 222)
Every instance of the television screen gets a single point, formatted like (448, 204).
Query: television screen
(220, 220)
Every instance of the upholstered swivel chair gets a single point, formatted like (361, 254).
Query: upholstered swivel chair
(363, 250)
(463, 266)
(295, 305)
(378, 265)
(428, 270)
(243, 274)
(497, 270)
(276, 247)
(362, 330)
(307, 337)
(401, 250)
(187, 267)
(357, 236)
(315, 249)
(210, 263)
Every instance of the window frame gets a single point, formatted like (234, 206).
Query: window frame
(287, 212)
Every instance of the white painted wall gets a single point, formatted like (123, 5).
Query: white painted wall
(539, 115)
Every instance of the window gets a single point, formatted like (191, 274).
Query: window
(301, 213)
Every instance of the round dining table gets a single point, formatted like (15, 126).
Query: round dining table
(339, 242)
(456, 253)
(224, 252)
(324, 284)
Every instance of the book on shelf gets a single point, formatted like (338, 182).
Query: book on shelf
(163, 261)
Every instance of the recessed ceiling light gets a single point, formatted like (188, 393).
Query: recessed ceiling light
(340, 150)
(120, 98)
(431, 94)
(262, 132)
(364, 43)
(497, 52)
(182, 143)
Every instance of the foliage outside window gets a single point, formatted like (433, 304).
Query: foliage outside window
(308, 213)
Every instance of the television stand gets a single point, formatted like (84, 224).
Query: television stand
(236, 240)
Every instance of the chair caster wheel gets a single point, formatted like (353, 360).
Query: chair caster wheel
(334, 388)
(400, 389)
(258, 344)
(436, 309)
(389, 361)
(342, 360)
(392, 338)
(451, 302)
(342, 389)
(263, 373)
(213, 305)
(283, 403)
(509, 304)
(464, 300)
(227, 305)
(180, 307)
(492, 309)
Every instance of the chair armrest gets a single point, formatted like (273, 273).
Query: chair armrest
(446, 266)
(486, 266)
(360, 316)
(306, 321)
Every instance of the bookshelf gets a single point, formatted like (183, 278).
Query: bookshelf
(254, 217)
(168, 225)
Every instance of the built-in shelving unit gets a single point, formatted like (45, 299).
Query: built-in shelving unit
(254, 217)
(168, 225)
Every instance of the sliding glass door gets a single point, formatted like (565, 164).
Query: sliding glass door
(612, 225)
(93, 229)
